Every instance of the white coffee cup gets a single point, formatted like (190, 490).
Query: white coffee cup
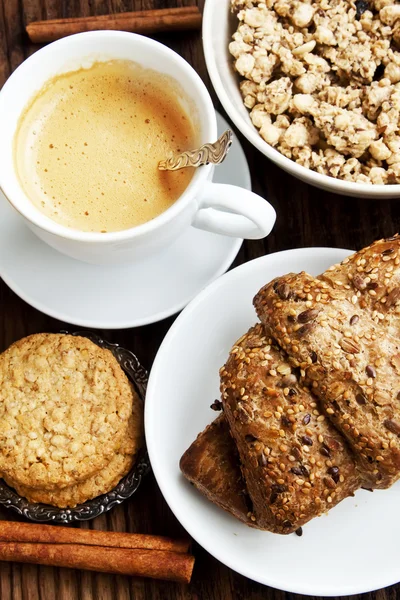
(223, 209)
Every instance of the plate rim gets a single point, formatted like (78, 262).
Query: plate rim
(156, 318)
(159, 472)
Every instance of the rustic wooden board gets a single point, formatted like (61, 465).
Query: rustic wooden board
(306, 217)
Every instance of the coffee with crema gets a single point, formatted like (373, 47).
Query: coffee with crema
(88, 145)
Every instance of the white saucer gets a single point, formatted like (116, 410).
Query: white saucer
(118, 297)
(354, 549)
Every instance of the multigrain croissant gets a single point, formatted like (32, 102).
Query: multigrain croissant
(370, 279)
(353, 332)
(350, 362)
(295, 464)
(338, 335)
(212, 465)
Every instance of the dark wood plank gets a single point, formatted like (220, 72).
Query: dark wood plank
(306, 217)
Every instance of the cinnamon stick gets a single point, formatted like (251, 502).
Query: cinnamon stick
(47, 534)
(156, 564)
(145, 21)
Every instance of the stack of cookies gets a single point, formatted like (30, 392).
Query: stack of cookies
(71, 423)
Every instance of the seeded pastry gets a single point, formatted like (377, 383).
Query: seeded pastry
(371, 280)
(350, 361)
(64, 410)
(295, 464)
(212, 464)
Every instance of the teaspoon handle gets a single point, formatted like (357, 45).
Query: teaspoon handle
(209, 153)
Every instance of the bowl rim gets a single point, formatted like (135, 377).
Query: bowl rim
(312, 177)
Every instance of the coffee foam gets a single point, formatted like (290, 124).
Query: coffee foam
(87, 147)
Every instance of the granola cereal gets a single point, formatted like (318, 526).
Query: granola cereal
(321, 79)
(65, 405)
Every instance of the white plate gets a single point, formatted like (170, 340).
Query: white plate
(118, 297)
(354, 549)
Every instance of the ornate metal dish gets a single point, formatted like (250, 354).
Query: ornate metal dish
(125, 488)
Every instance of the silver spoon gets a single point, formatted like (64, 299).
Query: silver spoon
(209, 153)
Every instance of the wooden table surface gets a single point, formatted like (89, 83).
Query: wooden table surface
(306, 217)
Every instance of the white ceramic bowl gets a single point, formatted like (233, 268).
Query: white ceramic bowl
(218, 26)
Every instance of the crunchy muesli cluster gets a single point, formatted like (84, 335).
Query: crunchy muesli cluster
(322, 82)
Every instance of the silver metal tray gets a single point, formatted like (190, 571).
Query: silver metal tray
(126, 487)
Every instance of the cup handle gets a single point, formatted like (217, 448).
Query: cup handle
(234, 211)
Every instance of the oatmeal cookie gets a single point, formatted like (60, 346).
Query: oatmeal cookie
(100, 483)
(64, 410)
